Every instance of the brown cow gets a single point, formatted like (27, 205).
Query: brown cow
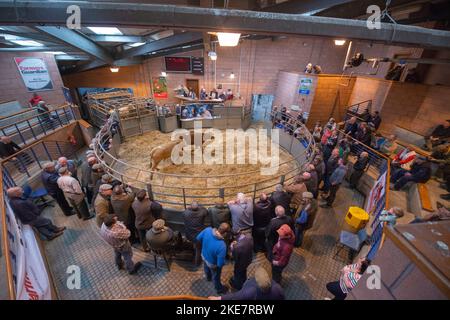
(161, 153)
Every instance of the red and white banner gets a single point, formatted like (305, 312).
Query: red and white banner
(30, 274)
(34, 74)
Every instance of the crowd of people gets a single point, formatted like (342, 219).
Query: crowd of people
(273, 224)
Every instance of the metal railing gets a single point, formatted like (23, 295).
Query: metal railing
(163, 190)
(28, 161)
(358, 109)
(5, 243)
(32, 128)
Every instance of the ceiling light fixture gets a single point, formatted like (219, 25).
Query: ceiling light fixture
(136, 44)
(232, 75)
(163, 74)
(110, 31)
(339, 42)
(212, 55)
(114, 69)
(227, 39)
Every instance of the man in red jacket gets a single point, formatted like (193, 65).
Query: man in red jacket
(282, 251)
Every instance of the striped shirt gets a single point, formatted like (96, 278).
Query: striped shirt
(349, 277)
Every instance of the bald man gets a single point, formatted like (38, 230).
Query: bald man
(49, 177)
(28, 213)
(69, 164)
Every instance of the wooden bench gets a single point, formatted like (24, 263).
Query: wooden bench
(424, 197)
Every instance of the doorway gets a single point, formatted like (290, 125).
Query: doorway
(261, 106)
(193, 83)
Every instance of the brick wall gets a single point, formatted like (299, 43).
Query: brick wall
(370, 89)
(13, 88)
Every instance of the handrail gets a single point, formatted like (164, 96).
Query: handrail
(35, 116)
(26, 148)
(99, 138)
(5, 240)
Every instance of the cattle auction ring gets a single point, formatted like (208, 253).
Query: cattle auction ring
(177, 185)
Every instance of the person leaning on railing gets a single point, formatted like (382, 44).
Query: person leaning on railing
(8, 148)
(30, 214)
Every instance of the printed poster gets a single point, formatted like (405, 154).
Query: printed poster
(305, 86)
(34, 74)
(160, 88)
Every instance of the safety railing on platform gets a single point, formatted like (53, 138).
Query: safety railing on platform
(32, 128)
(358, 110)
(174, 195)
(28, 161)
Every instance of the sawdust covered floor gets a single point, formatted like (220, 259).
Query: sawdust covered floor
(201, 181)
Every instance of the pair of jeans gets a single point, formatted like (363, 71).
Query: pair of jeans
(62, 202)
(126, 253)
(259, 238)
(142, 239)
(239, 277)
(335, 289)
(299, 231)
(326, 183)
(213, 273)
(333, 190)
(44, 226)
(81, 208)
(277, 272)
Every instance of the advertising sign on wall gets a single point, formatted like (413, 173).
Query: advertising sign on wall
(160, 88)
(376, 194)
(29, 272)
(34, 74)
(305, 86)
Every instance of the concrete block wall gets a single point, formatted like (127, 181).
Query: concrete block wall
(13, 88)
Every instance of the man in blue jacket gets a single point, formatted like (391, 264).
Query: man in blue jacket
(49, 178)
(336, 179)
(214, 251)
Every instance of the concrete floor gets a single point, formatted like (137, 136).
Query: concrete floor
(309, 269)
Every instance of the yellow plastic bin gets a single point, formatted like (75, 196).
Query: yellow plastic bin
(356, 218)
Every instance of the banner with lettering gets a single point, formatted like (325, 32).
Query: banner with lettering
(34, 74)
(29, 271)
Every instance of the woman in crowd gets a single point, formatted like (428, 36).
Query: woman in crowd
(350, 275)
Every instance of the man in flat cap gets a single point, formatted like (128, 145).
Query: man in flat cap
(86, 183)
(49, 178)
(304, 217)
(102, 203)
(72, 190)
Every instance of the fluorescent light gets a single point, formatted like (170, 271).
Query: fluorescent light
(136, 44)
(55, 52)
(27, 43)
(105, 30)
(228, 39)
(339, 42)
(114, 69)
(163, 74)
(232, 75)
(212, 55)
